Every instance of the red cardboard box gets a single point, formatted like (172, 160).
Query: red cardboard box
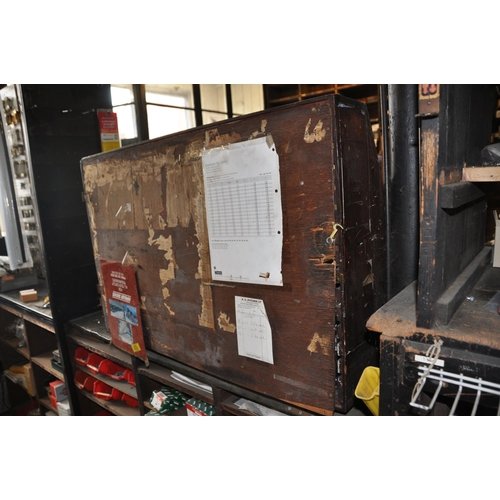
(58, 391)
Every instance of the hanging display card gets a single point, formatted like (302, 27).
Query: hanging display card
(253, 329)
(244, 214)
(108, 127)
(122, 301)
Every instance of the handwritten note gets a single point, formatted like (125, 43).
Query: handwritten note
(253, 329)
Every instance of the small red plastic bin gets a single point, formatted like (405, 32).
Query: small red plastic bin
(129, 377)
(113, 370)
(130, 400)
(94, 362)
(84, 381)
(106, 392)
(81, 356)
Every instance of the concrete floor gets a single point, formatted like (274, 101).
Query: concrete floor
(358, 410)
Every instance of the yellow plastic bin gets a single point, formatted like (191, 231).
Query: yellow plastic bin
(368, 388)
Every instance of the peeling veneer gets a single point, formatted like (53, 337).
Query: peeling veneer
(318, 133)
(225, 323)
(319, 344)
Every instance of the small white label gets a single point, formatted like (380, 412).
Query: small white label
(121, 296)
(109, 137)
(425, 359)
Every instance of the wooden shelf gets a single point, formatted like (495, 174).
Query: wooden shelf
(31, 311)
(230, 407)
(116, 407)
(481, 174)
(164, 376)
(471, 322)
(45, 401)
(108, 351)
(44, 361)
(18, 381)
(13, 343)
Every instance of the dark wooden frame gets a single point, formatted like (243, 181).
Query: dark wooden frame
(330, 287)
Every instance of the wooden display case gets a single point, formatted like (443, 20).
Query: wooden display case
(146, 206)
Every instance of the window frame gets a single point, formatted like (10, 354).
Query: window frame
(141, 115)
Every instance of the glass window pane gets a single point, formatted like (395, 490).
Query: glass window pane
(127, 124)
(172, 94)
(247, 98)
(122, 98)
(213, 97)
(163, 121)
(121, 93)
(211, 117)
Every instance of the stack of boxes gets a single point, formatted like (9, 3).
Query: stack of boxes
(198, 408)
(58, 395)
(56, 361)
(166, 400)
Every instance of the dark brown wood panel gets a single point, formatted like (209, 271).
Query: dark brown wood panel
(451, 235)
(329, 175)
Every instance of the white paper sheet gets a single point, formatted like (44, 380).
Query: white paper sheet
(258, 409)
(244, 215)
(253, 329)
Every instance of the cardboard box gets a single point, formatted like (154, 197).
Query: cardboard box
(167, 400)
(28, 295)
(198, 408)
(63, 408)
(53, 402)
(58, 390)
(30, 379)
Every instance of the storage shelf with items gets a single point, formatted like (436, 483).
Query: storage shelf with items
(191, 391)
(281, 94)
(101, 372)
(27, 346)
(232, 405)
(156, 379)
(14, 125)
(46, 130)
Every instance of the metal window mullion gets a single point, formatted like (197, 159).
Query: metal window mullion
(197, 104)
(141, 114)
(229, 101)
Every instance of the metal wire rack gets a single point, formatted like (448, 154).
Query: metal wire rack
(444, 378)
